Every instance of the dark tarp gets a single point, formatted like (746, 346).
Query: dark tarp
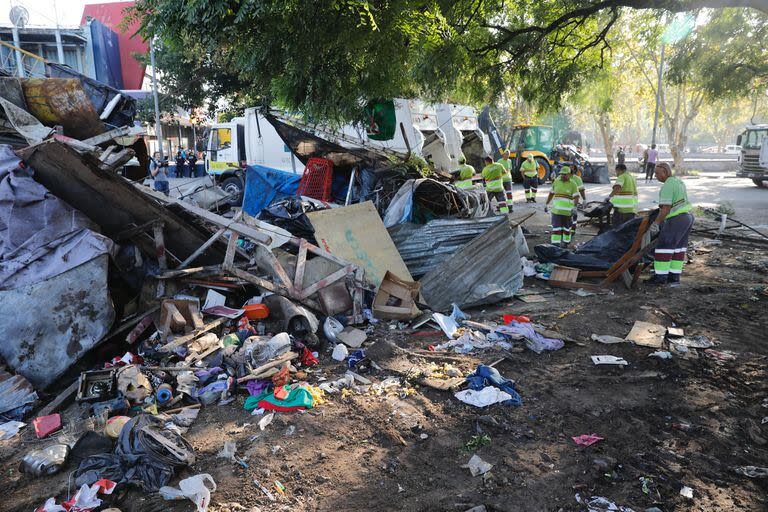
(264, 185)
(600, 253)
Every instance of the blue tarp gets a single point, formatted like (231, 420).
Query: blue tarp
(264, 185)
(106, 55)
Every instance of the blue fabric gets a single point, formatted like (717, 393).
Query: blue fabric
(489, 376)
(264, 185)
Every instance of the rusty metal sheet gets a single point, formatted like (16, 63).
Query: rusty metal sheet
(62, 101)
(47, 326)
(15, 392)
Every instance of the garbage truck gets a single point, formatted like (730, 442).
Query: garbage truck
(243, 141)
(753, 160)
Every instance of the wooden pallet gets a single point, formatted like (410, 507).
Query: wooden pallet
(641, 246)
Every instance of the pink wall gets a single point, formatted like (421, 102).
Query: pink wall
(111, 14)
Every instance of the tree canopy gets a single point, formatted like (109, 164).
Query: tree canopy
(325, 58)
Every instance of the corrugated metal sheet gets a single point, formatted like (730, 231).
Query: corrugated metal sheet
(486, 270)
(425, 246)
(15, 392)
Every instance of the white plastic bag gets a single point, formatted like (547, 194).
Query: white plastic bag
(193, 488)
(340, 352)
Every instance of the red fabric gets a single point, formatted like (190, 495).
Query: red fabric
(307, 359)
(272, 407)
(281, 378)
(111, 14)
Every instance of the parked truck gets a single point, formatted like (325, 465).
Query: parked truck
(243, 141)
(753, 161)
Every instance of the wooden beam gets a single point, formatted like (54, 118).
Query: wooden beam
(326, 281)
(277, 362)
(182, 340)
(229, 257)
(61, 399)
(301, 260)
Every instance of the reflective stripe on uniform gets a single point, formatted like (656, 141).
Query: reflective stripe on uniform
(625, 202)
(495, 185)
(463, 184)
(562, 204)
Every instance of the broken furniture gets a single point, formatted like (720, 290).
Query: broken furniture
(621, 268)
(396, 298)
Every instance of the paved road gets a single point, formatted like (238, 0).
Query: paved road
(708, 189)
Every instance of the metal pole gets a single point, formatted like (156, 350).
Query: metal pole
(158, 128)
(658, 96)
(59, 46)
(17, 44)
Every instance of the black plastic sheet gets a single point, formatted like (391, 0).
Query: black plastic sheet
(597, 254)
(290, 214)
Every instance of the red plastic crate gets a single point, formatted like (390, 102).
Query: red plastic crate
(316, 180)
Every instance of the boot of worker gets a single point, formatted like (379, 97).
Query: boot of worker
(658, 280)
(673, 280)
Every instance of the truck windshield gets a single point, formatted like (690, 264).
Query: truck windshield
(754, 138)
(545, 137)
(222, 138)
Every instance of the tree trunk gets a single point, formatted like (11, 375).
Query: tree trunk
(604, 123)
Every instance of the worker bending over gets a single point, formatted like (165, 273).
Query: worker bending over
(583, 193)
(465, 173)
(507, 180)
(675, 222)
(530, 172)
(493, 174)
(623, 197)
(566, 196)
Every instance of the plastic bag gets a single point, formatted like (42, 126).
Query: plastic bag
(193, 488)
(340, 352)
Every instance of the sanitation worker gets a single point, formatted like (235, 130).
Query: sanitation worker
(565, 193)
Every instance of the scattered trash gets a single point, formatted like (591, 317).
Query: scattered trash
(581, 292)
(331, 329)
(10, 429)
(611, 360)
(228, 451)
(477, 466)
(752, 471)
(266, 420)
(693, 342)
(600, 504)
(607, 339)
(47, 461)
(263, 489)
(196, 488)
(661, 354)
(483, 398)
(686, 492)
(352, 337)
(720, 355)
(586, 439)
(340, 352)
(646, 334)
(46, 425)
(485, 376)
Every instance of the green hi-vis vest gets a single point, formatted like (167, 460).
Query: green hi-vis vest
(626, 200)
(507, 165)
(530, 168)
(674, 193)
(466, 172)
(565, 192)
(493, 174)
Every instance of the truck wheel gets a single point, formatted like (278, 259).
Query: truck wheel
(233, 186)
(759, 183)
(544, 169)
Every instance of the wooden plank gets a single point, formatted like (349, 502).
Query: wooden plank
(201, 249)
(61, 399)
(162, 261)
(182, 340)
(277, 362)
(229, 257)
(301, 260)
(267, 285)
(357, 234)
(314, 287)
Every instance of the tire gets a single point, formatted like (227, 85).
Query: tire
(544, 168)
(234, 187)
(759, 183)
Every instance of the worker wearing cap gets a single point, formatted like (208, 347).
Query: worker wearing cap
(674, 222)
(565, 193)
(583, 193)
(505, 162)
(465, 172)
(623, 197)
(493, 174)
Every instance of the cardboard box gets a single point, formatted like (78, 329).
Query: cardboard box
(396, 298)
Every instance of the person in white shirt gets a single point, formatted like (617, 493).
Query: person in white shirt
(650, 164)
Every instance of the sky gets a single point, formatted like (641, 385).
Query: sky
(45, 12)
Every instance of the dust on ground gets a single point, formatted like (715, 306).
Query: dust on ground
(666, 423)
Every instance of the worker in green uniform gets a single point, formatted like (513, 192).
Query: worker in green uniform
(465, 173)
(675, 222)
(507, 180)
(623, 197)
(565, 193)
(493, 174)
(530, 171)
(583, 193)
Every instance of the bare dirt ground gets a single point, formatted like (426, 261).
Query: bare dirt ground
(404, 450)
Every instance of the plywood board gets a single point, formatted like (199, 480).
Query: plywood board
(356, 233)
(646, 334)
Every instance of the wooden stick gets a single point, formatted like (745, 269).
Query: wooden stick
(61, 399)
(277, 362)
(181, 340)
(179, 409)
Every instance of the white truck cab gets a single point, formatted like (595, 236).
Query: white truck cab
(243, 141)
